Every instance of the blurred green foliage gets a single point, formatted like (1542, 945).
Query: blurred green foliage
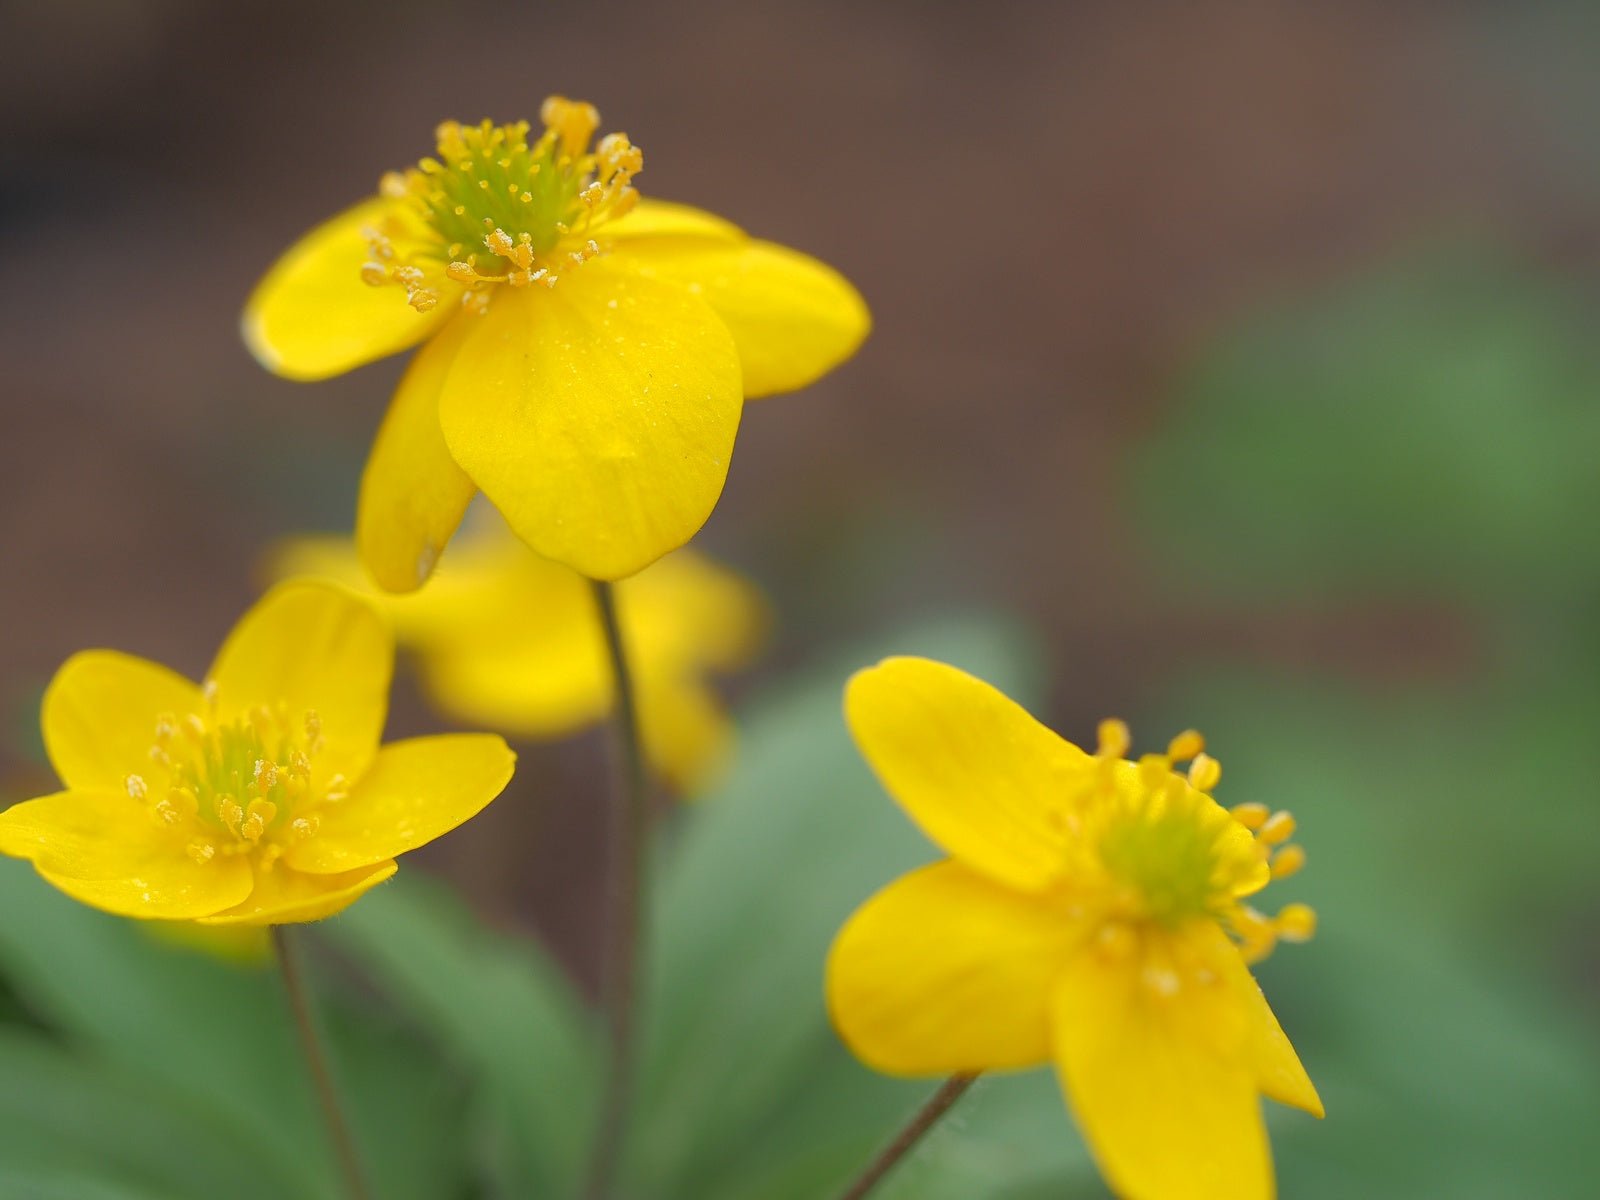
(1430, 427)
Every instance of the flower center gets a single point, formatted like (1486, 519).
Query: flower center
(495, 208)
(1171, 854)
(245, 786)
(1168, 860)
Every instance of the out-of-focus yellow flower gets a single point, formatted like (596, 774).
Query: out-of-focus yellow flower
(259, 798)
(509, 640)
(1091, 914)
(587, 352)
(240, 945)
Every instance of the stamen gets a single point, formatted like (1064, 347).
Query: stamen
(1279, 827)
(1288, 861)
(229, 813)
(1186, 745)
(1252, 816)
(137, 789)
(1114, 739)
(1296, 923)
(1205, 773)
(257, 817)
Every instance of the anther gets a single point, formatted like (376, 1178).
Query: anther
(1252, 815)
(137, 790)
(257, 817)
(1296, 923)
(1277, 828)
(229, 813)
(266, 775)
(1186, 745)
(1114, 739)
(1288, 861)
(201, 850)
(1205, 772)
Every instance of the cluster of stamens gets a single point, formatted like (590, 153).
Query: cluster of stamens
(1168, 847)
(245, 786)
(499, 209)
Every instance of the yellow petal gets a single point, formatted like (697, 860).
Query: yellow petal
(980, 776)
(1277, 1068)
(686, 732)
(945, 972)
(653, 218)
(99, 716)
(283, 896)
(413, 495)
(687, 609)
(312, 316)
(516, 688)
(106, 850)
(598, 415)
(1156, 1075)
(314, 648)
(414, 791)
(793, 318)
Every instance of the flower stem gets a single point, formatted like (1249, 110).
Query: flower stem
(925, 1119)
(316, 1058)
(630, 825)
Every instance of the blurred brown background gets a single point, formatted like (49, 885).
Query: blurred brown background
(1047, 206)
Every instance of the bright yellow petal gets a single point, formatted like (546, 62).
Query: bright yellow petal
(99, 715)
(312, 647)
(106, 850)
(414, 791)
(793, 318)
(413, 495)
(945, 972)
(1156, 1075)
(686, 732)
(652, 219)
(980, 776)
(598, 415)
(1277, 1068)
(312, 316)
(283, 896)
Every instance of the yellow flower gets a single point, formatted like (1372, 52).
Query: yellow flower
(1091, 914)
(509, 640)
(260, 798)
(587, 353)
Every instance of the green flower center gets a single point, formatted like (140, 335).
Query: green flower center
(500, 209)
(1169, 861)
(247, 785)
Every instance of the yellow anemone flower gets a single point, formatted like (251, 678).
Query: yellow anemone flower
(509, 640)
(587, 353)
(259, 798)
(1091, 914)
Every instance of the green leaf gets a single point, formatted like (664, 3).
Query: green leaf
(59, 1110)
(502, 1012)
(218, 1037)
